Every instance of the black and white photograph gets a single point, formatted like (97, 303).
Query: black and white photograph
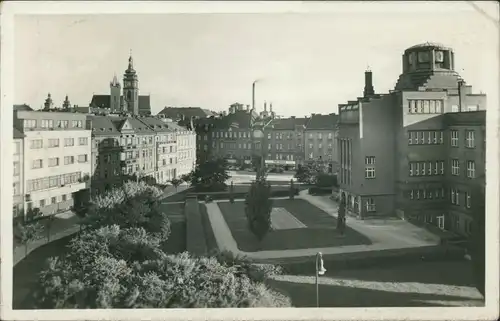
(183, 160)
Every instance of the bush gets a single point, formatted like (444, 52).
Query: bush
(326, 180)
(258, 206)
(319, 190)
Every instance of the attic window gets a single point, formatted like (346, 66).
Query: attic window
(93, 129)
(102, 129)
(110, 129)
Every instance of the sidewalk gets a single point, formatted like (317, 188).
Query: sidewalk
(66, 224)
(382, 240)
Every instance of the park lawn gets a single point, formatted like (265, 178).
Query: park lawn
(176, 242)
(320, 231)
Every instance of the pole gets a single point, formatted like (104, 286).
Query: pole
(317, 282)
(253, 95)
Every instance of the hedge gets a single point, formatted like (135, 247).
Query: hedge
(275, 192)
(195, 235)
(315, 190)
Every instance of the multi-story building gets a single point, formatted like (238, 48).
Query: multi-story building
(321, 140)
(55, 162)
(18, 175)
(165, 148)
(129, 102)
(186, 149)
(284, 141)
(402, 153)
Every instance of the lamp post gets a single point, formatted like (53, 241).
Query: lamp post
(320, 270)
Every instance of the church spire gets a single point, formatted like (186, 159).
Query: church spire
(66, 104)
(130, 62)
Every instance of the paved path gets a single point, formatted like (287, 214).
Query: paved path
(396, 238)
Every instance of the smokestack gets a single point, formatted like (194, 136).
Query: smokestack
(271, 107)
(248, 107)
(265, 106)
(368, 91)
(253, 95)
(461, 94)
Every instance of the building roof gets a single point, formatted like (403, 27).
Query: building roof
(288, 123)
(23, 107)
(17, 133)
(187, 112)
(103, 126)
(426, 45)
(319, 121)
(103, 101)
(156, 124)
(466, 118)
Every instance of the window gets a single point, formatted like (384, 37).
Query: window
(439, 105)
(69, 142)
(370, 205)
(369, 172)
(53, 161)
(455, 196)
(454, 138)
(63, 123)
(455, 167)
(454, 109)
(411, 137)
(320, 146)
(83, 158)
(467, 199)
(53, 142)
(472, 108)
(441, 165)
(429, 168)
(77, 123)
(469, 139)
(440, 137)
(432, 107)
(29, 123)
(53, 200)
(471, 169)
(370, 160)
(83, 141)
(42, 203)
(37, 163)
(36, 144)
(69, 160)
(17, 168)
(329, 135)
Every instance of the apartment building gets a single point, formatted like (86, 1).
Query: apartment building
(18, 175)
(186, 149)
(165, 148)
(284, 141)
(395, 150)
(55, 158)
(321, 140)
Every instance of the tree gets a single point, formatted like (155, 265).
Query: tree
(231, 193)
(477, 241)
(257, 162)
(258, 207)
(307, 173)
(176, 182)
(28, 232)
(210, 175)
(49, 221)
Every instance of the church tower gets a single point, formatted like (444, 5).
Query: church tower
(49, 104)
(115, 94)
(131, 89)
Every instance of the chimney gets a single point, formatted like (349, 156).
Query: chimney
(462, 95)
(248, 107)
(368, 91)
(253, 95)
(265, 106)
(271, 107)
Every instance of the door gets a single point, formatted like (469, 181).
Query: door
(440, 221)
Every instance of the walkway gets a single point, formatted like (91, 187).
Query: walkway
(66, 224)
(397, 235)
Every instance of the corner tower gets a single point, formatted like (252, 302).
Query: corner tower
(131, 89)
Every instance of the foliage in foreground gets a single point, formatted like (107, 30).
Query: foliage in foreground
(118, 262)
(210, 175)
(124, 268)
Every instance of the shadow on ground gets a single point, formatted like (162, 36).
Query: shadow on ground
(304, 295)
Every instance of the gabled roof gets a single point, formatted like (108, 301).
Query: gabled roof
(103, 126)
(318, 121)
(23, 107)
(187, 112)
(156, 124)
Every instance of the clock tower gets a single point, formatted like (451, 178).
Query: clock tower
(131, 89)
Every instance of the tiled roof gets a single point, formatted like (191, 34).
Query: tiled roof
(288, 123)
(429, 45)
(103, 126)
(23, 107)
(188, 112)
(103, 101)
(156, 124)
(318, 121)
(242, 118)
(17, 133)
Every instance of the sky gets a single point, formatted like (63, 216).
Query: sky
(306, 62)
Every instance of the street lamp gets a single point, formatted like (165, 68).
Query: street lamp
(320, 270)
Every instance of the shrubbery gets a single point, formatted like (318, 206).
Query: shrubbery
(117, 262)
